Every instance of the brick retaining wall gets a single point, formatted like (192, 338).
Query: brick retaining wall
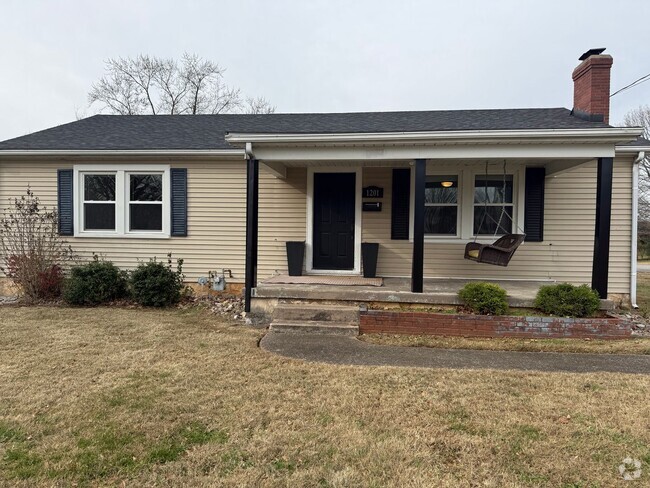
(422, 323)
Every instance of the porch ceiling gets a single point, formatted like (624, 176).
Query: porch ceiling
(549, 163)
(302, 155)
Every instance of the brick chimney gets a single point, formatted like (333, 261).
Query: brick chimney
(591, 86)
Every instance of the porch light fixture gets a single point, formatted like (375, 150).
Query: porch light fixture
(446, 184)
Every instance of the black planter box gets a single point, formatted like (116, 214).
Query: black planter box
(295, 257)
(369, 252)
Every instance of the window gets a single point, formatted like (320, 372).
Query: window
(99, 201)
(145, 202)
(128, 201)
(492, 194)
(441, 205)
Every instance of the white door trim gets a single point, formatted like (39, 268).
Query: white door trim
(309, 247)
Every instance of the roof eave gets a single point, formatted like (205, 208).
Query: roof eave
(632, 149)
(119, 153)
(615, 135)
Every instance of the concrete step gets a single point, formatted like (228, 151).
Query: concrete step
(314, 312)
(314, 327)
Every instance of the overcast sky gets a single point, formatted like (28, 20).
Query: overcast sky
(324, 56)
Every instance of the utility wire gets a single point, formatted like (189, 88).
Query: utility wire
(643, 79)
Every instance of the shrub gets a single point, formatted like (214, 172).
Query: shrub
(94, 283)
(484, 298)
(50, 282)
(155, 284)
(566, 300)
(33, 253)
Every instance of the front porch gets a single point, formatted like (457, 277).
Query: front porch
(422, 204)
(394, 292)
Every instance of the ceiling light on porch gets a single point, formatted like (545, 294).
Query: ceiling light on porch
(446, 184)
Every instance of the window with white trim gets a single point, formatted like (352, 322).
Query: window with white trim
(493, 204)
(441, 198)
(122, 201)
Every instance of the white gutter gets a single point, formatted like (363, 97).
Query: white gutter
(635, 227)
(614, 134)
(129, 152)
(631, 149)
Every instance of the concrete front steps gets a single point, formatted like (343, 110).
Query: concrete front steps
(300, 318)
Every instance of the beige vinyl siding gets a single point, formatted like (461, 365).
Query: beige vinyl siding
(216, 217)
(282, 218)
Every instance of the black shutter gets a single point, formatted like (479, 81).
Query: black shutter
(64, 201)
(399, 228)
(534, 211)
(179, 201)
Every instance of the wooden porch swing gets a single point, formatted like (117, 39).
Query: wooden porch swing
(500, 252)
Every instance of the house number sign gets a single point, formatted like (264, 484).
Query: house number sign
(373, 192)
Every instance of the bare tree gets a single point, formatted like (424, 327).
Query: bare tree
(259, 105)
(152, 85)
(640, 117)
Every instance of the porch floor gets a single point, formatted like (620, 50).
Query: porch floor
(397, 290)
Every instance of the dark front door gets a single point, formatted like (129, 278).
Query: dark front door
(334, 195)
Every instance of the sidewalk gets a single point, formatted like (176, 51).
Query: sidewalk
(351, 351)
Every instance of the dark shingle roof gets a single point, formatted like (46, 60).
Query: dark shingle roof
(124, 132)
(640, 142)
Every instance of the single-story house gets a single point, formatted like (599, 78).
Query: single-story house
(229, 191)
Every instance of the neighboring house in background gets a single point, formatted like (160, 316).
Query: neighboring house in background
(134, 187)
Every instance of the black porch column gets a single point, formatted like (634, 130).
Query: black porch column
(417, 267)
(252, 193)
(600, 268)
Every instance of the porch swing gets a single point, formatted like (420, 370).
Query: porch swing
(501, 251)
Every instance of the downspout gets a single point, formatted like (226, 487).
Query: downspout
(249, 150)
(635, 227)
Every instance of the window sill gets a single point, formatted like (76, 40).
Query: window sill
(113, 235)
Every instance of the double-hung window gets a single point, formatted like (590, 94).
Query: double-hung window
(441, 205)
(99, 201)
(122, 201)
(145, 212)
(493, 204)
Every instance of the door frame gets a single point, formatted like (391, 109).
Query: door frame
(309, 247)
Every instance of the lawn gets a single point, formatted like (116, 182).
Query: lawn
(643, 293)
(112, 396)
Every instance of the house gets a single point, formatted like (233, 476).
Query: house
(228, 191)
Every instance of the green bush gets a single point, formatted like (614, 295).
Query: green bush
(94, 283)
(155, 284)
(484, 298)
(566, 300)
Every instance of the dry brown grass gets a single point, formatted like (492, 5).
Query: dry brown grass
(105, 396)
(643, 293)
(623, 346)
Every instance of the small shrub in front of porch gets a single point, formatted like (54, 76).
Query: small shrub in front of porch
(484, 298)
(567, 300)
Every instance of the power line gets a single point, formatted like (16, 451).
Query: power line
(643, 79)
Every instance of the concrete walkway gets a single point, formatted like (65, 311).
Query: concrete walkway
(351, 351)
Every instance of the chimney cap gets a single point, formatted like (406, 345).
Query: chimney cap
(592, 52)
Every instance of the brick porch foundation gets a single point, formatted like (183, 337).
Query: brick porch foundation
(422, 323)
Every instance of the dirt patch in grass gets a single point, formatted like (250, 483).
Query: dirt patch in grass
(108, 396)
(592, 346)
